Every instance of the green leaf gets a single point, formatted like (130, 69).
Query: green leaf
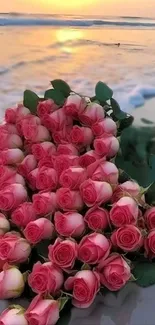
(103, 92)
(125, 123)
(31, 100)
(56, 95)
(62, 302)
(85, 267)
(120, 115)
(144, 274)
(61, 86)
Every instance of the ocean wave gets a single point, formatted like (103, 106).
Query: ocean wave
(38, 21)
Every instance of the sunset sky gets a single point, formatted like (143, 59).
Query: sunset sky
(102, 7)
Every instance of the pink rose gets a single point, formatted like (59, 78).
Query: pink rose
(124, 212)
(88, 158)
(57, 120)
(40, 150)
(11, 196)
(10, 115)
(28, 164)
(63, 253)
(13, 315)
(32, 178)
(23, 214)
(47, 179)
(11, 283)
(74, 105)
(128, 188)
(93, 247)
(9, 128)
(114, 272)
(46, 107)
(73, 177)
(34, 132)
(69, 224)
(38, 230)
(97, 218)
(129, 238)
(103, 171)
(28, 146)
(67, 149)
(81, 136)
(104, 127)
(149, 218)
(107, 146)
(149, 244)
(94, 192)
(48, 161)
(6, 173)
(69, 200)
(63, 162)
(14, 248)
(4, 224)
(85, 286)
(15, 179)
(45, 278)
(62, 136)
(10, 141)
(93, 113)
(11, 156)
(44, 203)
(42, 311)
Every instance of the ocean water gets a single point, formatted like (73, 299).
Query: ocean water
(79, 49)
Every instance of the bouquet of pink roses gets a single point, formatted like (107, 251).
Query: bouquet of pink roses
(68, 224)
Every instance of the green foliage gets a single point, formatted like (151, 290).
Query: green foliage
(62, 302)
(56, 95)
(61, 86)
(31, 100)
(103, 92)
(144, 274)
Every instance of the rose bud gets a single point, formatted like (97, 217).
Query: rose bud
(149, 218)
(22, 112)
(88, 158)
(81, 136)
(97, 218)
(63, 162)
(45, 278)
(11, 156)
(32, 178)
(69, 200)
(35, 133)
(15, 179)
(93, 113)
(48, 161)
(40, 150)
(44, 203)
(23, 214)
(11, 196)
(11, 283)
(46, 107)
(57, 120)
(114, 272)
(149, 244)
(9, 128)
(47, 179)
(10, 141)
(62, 136)
(6, 173)
(42, 311)
(13, 315)
(69, 224)
(67, 149)
(124, 212)
(104, 127)
(103, 171)
(63, 253)
(38, 230)
(28, 164)
(4, 224)
(14, 248)
(92, 248)
(93, 192)
(107, 146)
(10, 115)
(74, 105)
(85, 286)
(129, 238)
(73, 177)
(128, 188)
